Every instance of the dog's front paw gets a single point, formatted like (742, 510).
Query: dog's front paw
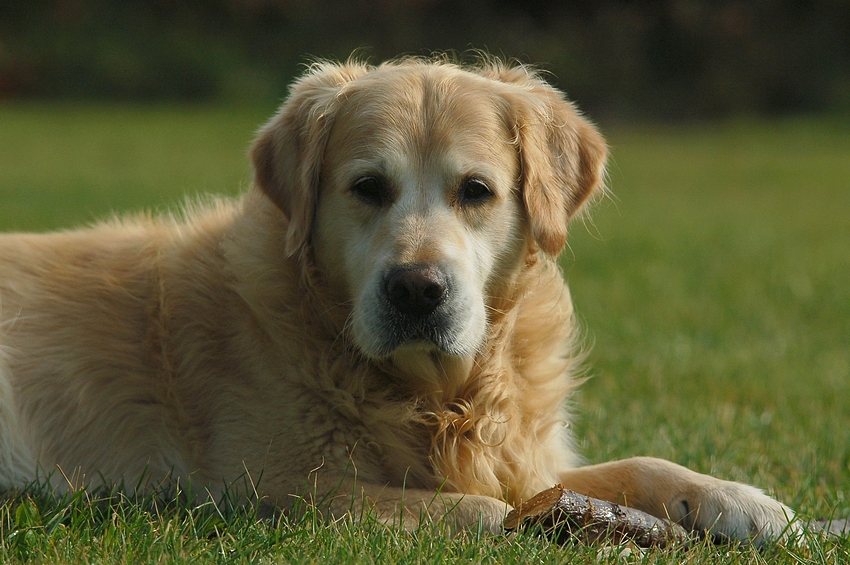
(477, 513)
(728, 510)
(413, 508)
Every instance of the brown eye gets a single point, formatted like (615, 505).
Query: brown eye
(474, 191)
(373, 191)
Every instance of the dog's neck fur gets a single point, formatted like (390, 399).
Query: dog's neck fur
(463, 403)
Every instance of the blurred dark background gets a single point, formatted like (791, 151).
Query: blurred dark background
(619, 59)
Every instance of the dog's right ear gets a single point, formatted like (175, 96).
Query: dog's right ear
(288, 151)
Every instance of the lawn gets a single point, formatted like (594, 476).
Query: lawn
(713, 286)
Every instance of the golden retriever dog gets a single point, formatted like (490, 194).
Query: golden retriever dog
(379, 324)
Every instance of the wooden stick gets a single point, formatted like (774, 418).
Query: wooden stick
(566, 515)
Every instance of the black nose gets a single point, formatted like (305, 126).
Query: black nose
(415, 290)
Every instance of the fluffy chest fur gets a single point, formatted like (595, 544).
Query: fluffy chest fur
(431, 422)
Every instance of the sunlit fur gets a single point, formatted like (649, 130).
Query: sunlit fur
(248, 337)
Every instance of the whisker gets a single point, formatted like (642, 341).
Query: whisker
(494, 309)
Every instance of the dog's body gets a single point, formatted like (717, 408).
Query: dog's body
(380, 317)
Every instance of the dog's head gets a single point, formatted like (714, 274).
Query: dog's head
(420, 187)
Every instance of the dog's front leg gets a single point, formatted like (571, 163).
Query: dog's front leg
(410, 508)
(704, 504)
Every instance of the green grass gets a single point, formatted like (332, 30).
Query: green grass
(66, 166)
(714, 286)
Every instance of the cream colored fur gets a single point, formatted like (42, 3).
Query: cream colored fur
(251, 335)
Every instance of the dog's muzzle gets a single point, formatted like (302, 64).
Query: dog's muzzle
(418, 306)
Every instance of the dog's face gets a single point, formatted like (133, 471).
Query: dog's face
(420, 188)
(419, 212)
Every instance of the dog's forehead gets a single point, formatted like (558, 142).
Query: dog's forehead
(422, 110)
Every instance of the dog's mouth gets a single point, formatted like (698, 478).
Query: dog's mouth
(434, 331)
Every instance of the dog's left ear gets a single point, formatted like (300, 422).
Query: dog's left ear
(562, 155)
(288, 151)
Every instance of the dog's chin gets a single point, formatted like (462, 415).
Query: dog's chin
(419, 346)
(415, 346)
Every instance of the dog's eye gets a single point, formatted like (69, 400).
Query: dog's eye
(372, 190)
(474, 191)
